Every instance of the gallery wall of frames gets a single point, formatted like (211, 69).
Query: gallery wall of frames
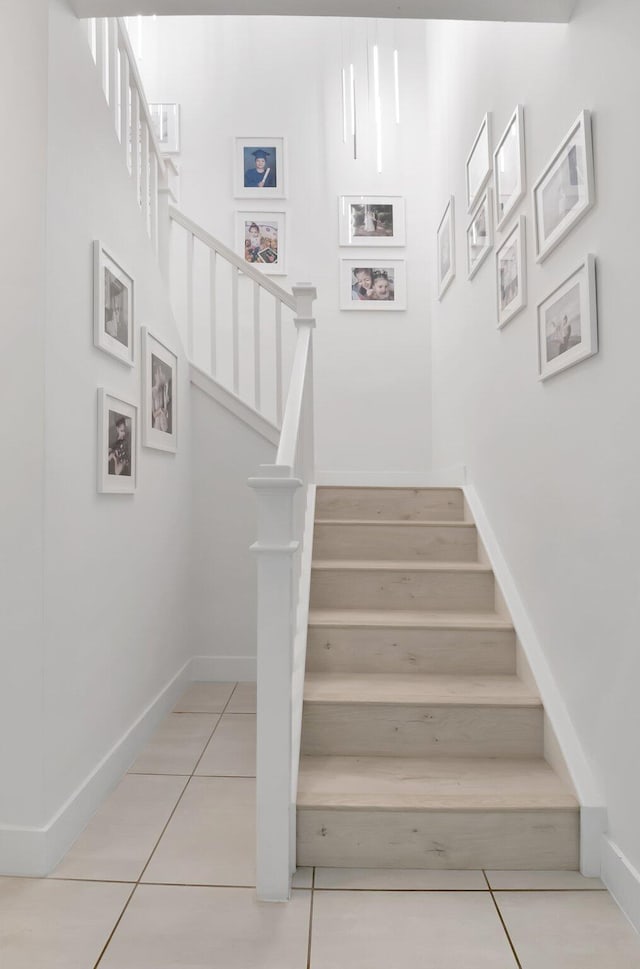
(563, 193)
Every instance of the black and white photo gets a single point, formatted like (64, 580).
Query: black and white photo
(478, 164)
(117, 444)
(567, 322)
(511, 273)
(480, 235)
(566, 190)
(166, 126)
(446, 252)
(509, 171)
(159, 394)
(370, 220)
(113, 321)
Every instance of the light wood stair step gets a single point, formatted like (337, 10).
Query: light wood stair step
(388, 540)
(435, 813)
(399, 504)
(438, 586)
(400, 715)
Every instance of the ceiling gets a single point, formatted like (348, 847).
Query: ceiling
(533, 11)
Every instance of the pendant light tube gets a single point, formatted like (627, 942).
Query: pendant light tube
(377, 106)
(396, 83)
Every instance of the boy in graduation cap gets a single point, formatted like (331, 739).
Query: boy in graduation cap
(263, 175)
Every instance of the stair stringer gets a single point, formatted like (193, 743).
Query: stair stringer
(563, 749)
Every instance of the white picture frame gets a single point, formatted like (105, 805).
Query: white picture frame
(261, 239)
(446, 248)
(509, 169)
(568, 322)
(373, 284)
(270, 178)
(478, 164)
(511, 273)
(117, 451)
(372, 220)
(159, 394)
(480, 234)
(113, 306)
(565, 191)
(166, 126)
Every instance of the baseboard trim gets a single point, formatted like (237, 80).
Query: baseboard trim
(622, 880)
(36, 851)
(452, 477)
(223, 669)
(586, 786)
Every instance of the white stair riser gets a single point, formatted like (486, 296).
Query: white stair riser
(389, 504)
(401, 650)
(444, 590)
(544, 839)
(406, 730)
(405, 543)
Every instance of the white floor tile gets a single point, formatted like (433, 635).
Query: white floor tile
(231, 752)
(55, 924)
(243, 699)
(176, 745)
(302, 878)
(399, 879)
(205, 698)
(569, 930)
(117, 842)
(209, 928)
(407, 930)
(211, 838)
(540, 880)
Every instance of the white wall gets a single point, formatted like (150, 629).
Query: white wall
(555, 464)
(23, 119)
(256, 76)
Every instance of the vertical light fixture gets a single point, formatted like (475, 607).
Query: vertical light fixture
(352, 80)
(396, 83)
(344, 105)
(377, 106)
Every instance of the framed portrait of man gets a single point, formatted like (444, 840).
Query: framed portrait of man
(117, 444)
(259, 167)
(159, 396)
(113, 321)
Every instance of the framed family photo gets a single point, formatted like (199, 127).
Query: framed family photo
(511, 273)
(568, 322)
(478, 164)
(166, 126)
(259, 168)
(113, 319)
(261, 240)
(159, 396)
(117, 444)
(565, 191)
(373, 285)
(371, 220)
(446, 248)
(509, 172)
(480, 235)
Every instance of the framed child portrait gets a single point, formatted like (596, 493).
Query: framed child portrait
(159, 397)
(367, 284)
(117, 444)
(113, 321)
(261, 239)
(259, 168)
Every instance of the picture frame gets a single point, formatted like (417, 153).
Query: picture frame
(113, 306)
(509, 169)
(565, 191)
(478, 164)
(159, 394)
(261, 239)
(260, 167)
(568, 322)
(166, 126)
(117, 452)
(480, 234)
(511, 273)
(373, 285)
(372, 220)
(446, 248)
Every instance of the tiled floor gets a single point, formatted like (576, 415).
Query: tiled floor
(163, 876)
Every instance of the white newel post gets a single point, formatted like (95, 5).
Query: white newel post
(164, 222)
(275, 549)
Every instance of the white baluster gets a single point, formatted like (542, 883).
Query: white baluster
(113, 70)
(213, 309)
(278, 342)
(190, 334)
(153, 200)
(256, 344)
(235, 274)
(101, 52)
(144, 173)
(125, 113)
(135, 141)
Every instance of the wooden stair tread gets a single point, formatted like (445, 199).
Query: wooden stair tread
(430, 784)
(392, 565)
(411, 618)
(418, 688)
(400, 522)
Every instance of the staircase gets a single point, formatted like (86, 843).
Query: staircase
(421, 747)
